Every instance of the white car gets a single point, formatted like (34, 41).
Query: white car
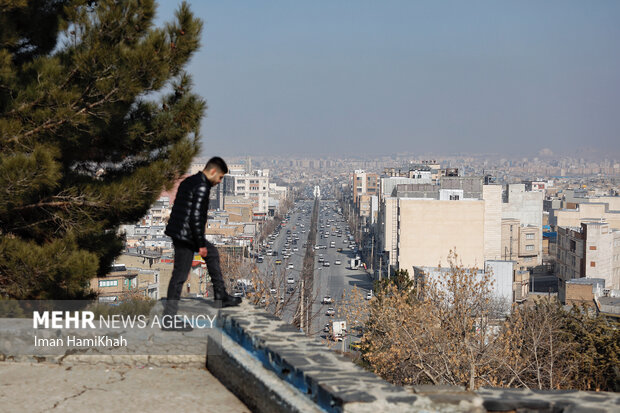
(290, 280)
(326, 264)
(337, 262)
(330, 311)
(327, 300)
(369, 295)
(290, 266)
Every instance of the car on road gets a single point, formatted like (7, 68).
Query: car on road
(278, 262)
(326, 264)
(272, 291)
(369, 295)
(330, 312)
(290, 280)
(327, 300)
(337, 262)
(355, 346)
(295, 249)
(290, 266)
(321, 259)
(326, 328)
(339, 250)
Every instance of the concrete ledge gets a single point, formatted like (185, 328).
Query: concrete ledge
(327, 379)
(260, 389)
(565, 401)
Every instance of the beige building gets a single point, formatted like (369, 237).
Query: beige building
(521, 243)
(421, 224)
(364, 183)
(605, 209)
(589, 251)
(422, 231)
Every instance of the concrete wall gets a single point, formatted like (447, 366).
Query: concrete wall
(527, 207)
(390, 215)
(429, 229)
(492, 195)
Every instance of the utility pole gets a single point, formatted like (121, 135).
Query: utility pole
(372, 254)
(301, 305)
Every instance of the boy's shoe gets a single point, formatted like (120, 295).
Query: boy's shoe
(227, 300)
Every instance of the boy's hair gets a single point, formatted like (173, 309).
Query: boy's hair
(217, 162)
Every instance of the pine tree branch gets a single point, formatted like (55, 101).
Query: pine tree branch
(49, 124)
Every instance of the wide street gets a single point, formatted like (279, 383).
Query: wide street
(332, 280)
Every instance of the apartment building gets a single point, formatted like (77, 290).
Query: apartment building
(603, 209)
(527, 207)
(591, 250)
(421, 223)
(253, 186)
(510, 285)
(364, 183)
(521, 243)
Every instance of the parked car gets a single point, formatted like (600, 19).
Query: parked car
(330, 312)
(327, 300)
(369, 295)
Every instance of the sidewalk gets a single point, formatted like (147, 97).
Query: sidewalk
(28, 387)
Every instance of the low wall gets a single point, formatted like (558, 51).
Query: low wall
(272, 367)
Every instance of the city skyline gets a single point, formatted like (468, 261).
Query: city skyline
(326, 78)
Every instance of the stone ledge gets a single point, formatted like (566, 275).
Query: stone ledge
(260, 389)
(301, 367)
(328, 379)
(565, 401)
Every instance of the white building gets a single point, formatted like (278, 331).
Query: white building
(254, 187)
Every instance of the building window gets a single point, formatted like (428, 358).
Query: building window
(592, 247)
(529, 236)
(454, 197)
(592, 264)
(108, 283)
(529, 247)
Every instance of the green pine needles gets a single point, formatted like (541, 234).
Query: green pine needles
(97, 116)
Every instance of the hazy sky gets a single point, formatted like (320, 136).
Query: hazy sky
(331, 77)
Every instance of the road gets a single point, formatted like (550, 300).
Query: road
(328, 281)
(335, 279)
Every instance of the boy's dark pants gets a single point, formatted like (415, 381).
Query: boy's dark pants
(183, 257)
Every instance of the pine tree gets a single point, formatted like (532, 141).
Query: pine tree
(97, 116)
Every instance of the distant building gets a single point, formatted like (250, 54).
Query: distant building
(591, 250)
(510, 284)
(602, 208)
(254, 187)
(521, 243)
(420, 223)
(364, 183)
